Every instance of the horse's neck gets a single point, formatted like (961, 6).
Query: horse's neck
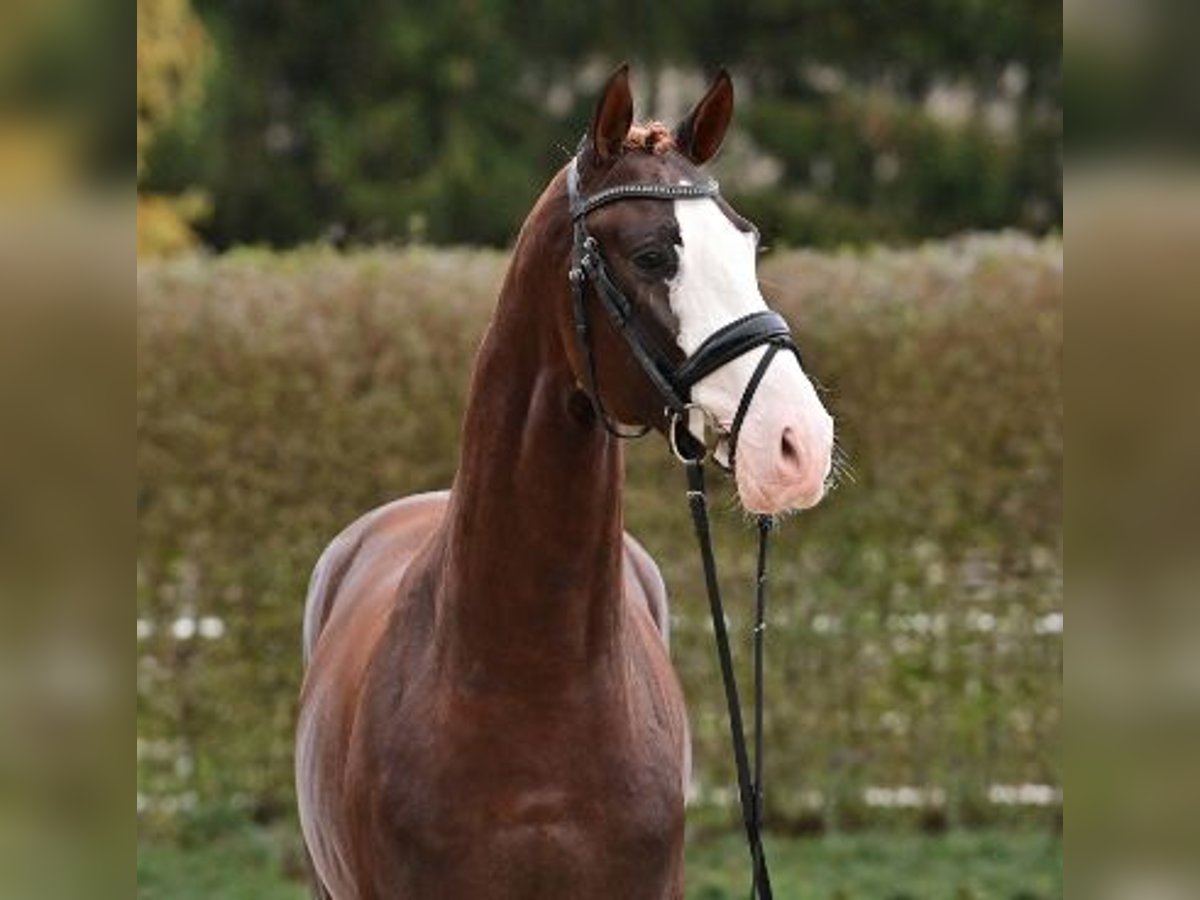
(533, 554)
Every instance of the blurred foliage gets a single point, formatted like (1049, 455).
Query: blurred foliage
(912, 638)
(164, 224)
(173, 53)
(381, 119)
(172, 48)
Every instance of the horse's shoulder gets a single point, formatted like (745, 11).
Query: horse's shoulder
(400, 517)
(386, 536)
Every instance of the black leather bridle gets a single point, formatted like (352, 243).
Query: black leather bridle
(674, 383)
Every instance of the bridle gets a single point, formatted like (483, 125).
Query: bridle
(674, 383)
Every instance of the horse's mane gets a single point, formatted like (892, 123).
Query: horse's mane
(653, 137)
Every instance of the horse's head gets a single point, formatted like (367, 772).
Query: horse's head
(685, 265)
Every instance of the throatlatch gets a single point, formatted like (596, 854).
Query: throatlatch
(674, 383)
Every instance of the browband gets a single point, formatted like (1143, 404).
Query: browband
(644, 191)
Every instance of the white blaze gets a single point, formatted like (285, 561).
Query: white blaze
(715, 285)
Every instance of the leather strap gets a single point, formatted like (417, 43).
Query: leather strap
(728, 343)
(749, 787)
(654, 363)
(735, 429)
(765, 524)
(647, 190)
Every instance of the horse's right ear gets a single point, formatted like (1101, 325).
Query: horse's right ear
(614, 115)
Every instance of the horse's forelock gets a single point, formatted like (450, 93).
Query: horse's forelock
(653, 137)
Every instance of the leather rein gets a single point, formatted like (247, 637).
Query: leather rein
(674, 383)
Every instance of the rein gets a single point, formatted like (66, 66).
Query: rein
(674, 383)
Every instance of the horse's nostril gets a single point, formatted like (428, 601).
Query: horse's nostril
(789, 448)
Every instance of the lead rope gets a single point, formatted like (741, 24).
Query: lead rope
(749, 791)
(760, 627)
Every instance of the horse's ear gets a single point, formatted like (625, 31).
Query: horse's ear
(614, 115)
(699, 136)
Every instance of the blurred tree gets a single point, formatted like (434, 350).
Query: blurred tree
(369, 119)
(381, 119)
(173, 51)
(172, 48)
(894, 120)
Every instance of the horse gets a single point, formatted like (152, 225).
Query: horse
(488, 707)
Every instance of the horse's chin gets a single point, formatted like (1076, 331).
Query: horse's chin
(767, 501)
(776, 497)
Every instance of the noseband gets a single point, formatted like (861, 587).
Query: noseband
(673, 381)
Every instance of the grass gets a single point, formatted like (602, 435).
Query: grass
(882, 866)
(988, 865)
(253, 864)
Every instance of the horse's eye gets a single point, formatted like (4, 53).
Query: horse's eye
(650, 260)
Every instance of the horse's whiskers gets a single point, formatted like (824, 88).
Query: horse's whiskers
(840, 470)
(818, 385)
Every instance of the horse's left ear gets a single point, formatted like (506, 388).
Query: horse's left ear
(614, 115)
(699, 136)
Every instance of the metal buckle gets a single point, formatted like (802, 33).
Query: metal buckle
(697, 415)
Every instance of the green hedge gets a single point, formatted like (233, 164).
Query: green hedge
(914, 639)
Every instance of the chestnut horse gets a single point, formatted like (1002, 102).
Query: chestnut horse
(489, 710)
